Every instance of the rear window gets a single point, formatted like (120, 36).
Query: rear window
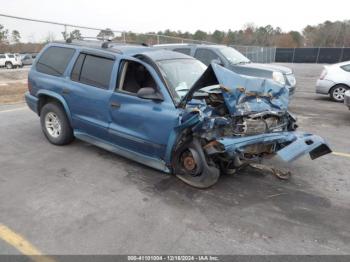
(346, 68)
(93, 70)
(186, 51)
(206, 56)
(54, 60)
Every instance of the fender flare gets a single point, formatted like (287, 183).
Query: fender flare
(57, 97)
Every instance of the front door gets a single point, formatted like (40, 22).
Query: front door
(138, 124)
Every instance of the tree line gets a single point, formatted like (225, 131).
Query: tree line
(326, 34)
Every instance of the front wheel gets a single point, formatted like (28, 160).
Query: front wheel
(55, 124)
(337, 93)
(190, 165)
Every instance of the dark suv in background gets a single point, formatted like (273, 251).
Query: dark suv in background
(235, 61)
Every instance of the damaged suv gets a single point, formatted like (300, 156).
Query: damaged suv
(164, 109)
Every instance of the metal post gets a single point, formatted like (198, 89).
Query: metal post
(341, 54)
(65, 32)
(293, 55)
(124, 36)
(158, 39)
(318, 53)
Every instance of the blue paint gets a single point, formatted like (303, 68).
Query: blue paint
(148, 130)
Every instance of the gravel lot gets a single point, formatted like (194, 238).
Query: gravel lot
(80, 199)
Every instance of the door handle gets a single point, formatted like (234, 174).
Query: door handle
(65, 91)
(115, 105)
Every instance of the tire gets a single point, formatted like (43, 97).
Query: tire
(337, 93)
(8, 65)
(55, 124)
(202, 175)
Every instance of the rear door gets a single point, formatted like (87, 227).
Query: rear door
(88, 93)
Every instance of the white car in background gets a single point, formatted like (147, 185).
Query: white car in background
(10, 61)
(334, 81)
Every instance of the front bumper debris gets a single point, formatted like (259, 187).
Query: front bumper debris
(289, 145)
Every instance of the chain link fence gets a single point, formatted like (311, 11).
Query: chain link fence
(313, 55)
(257, 54)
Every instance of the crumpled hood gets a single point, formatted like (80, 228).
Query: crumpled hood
(242, 95)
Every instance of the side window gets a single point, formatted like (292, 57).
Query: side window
(2, 56)
(205, 55)
(75, 75)
(186, 51)
(54, 60)
(11, 56)
(346, 68)
(93, 70)
(135, 76)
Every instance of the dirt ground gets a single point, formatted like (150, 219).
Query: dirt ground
(12, 93)
(13, 85)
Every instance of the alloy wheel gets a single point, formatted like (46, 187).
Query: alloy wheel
(53, 124)
(338, 93)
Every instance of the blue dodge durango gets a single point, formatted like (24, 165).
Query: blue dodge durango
(164, 109)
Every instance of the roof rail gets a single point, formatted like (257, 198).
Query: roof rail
(98, 42)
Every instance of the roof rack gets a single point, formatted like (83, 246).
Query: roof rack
(99, 42)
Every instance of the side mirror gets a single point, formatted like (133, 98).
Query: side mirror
(149, 93)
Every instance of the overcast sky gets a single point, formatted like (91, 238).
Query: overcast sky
(184, 15)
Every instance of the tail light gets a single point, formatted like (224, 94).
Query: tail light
(323, 74)
(29, 86)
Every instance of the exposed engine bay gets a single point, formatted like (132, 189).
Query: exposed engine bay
(233, 121)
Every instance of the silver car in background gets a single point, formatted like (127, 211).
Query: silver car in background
(334, 81)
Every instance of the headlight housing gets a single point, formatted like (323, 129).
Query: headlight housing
(278, 77)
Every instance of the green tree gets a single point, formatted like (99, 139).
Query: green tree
(200, 35)
(297, 38)
(15, 36)
(3, 33)
(75, 34)
(218, 36)
(106, 33)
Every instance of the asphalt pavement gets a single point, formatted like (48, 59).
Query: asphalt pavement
(79, 199)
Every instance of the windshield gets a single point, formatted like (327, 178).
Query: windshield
(233, 56)
(181, 74)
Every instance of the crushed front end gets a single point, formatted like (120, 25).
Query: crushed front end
(230, 120)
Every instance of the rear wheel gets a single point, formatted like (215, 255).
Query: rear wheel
(55, 124)
(9, 65)
(337, 93)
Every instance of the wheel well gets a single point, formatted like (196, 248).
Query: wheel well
(345, 85)
(44, 99)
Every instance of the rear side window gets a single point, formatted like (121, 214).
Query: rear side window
(186, 51)
(2, 56)
(77, 68)
(54, 60)
(11, 56)
(205, 56)
(346, 68)
(93, 70)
